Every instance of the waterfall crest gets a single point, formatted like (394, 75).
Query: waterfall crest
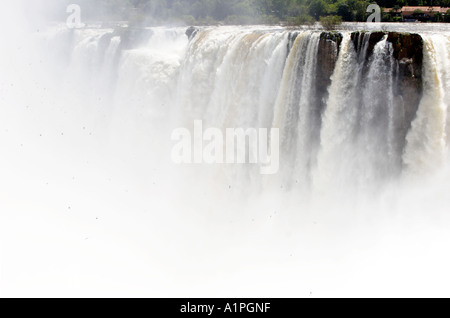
(342, 102)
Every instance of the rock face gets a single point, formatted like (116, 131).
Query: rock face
(191, 32)
(407, 56)
(407, 51)
(327, 56)
(359, 37)
(291, 40)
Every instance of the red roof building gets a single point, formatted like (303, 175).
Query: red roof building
(412, 12)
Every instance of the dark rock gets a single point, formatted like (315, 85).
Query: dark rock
(291, 40)
(333, 37)
(375, 37)
(329, 46)
(407, 51)
(191, 32)
(407, 45)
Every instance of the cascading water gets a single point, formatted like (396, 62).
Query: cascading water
(427, 140)
(357, 117)
(361, 146)
(268, 78)
(296, 109)
(339, 121)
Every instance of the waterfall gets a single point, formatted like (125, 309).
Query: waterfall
(355, 128)
(380, 157)
(296, 109)
(427, 145)
(91, 200)
(339, 119)
(232, 78)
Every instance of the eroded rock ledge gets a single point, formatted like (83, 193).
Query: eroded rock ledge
(328, 52)
(408, 53)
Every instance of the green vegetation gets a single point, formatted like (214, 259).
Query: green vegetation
(330, 22)
(303, 19)
(206, 12)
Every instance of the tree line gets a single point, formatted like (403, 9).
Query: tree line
(152, 12)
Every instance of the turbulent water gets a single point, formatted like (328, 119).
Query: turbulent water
(363, 173)
(344, 135)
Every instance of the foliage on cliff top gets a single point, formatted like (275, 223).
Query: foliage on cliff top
(150, 12)
(330, 22)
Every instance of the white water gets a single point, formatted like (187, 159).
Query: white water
(92, 205)
(294, 109)
(427, 140)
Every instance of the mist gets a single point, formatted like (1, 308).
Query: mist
(91, 204)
